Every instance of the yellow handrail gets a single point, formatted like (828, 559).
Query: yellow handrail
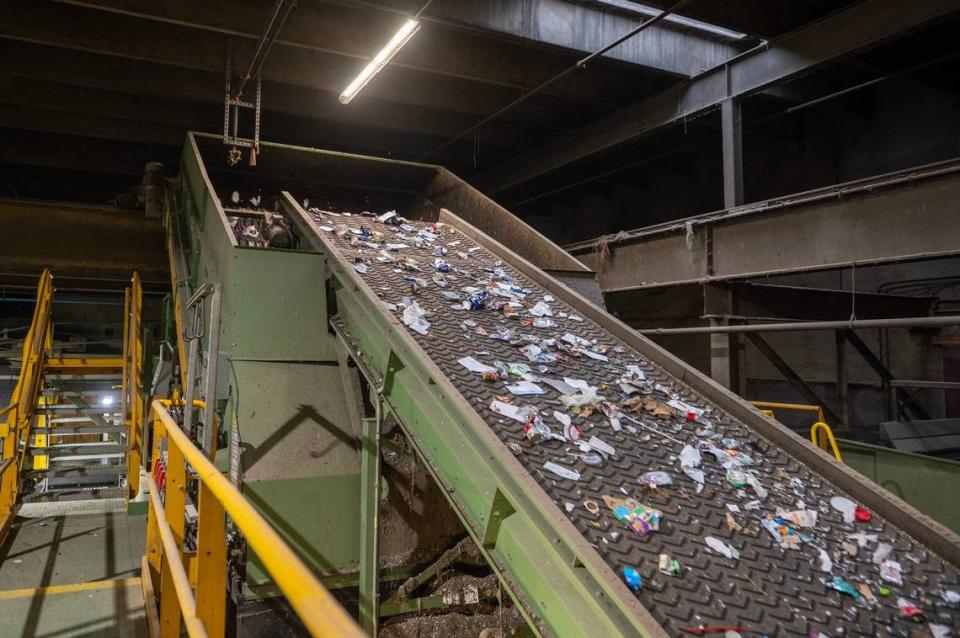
(316, 607)
(8, 408)
(132, 402)
(821, 434)
(799, 407)
(36, 347)
(181, 582)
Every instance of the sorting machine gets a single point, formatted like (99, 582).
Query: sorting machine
(316, 381)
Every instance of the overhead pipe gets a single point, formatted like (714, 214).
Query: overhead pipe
(902, 322)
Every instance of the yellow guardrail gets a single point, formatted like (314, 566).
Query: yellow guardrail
(132, 401)
(36, 348)
(203, 615)
(821, 434)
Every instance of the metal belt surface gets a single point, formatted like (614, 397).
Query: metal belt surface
(771, 590)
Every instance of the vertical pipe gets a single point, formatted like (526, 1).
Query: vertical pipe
(840, 338)
(188, 391)
(210, 374)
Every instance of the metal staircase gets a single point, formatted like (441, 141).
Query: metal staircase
(69, 430)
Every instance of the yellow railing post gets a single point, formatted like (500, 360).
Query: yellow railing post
(204, 614)
(174, 505)
(132, 386)
(820, 433)
(211, 562)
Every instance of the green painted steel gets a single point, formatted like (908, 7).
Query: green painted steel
(318, 517)
(548, 567)
(370, 526)
(926, 482)
(299, 458)
(273, 300)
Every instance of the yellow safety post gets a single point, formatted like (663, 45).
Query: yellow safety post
(821, 435)
(132, 383)
(203, 615)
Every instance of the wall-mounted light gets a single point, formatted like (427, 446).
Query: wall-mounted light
(380, 60)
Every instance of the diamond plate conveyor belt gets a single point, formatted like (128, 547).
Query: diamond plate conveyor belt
(784, 563)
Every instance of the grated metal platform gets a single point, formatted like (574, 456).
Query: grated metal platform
(773, 591)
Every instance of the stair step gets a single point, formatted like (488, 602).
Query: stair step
(75, 494)
(78, 474)
(59, 430)
(78, 449)
(72, 409)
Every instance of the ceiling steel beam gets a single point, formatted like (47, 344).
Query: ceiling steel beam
(78, 29)
(865, 24)
(901, 216)
(661, 48)
(760, 302)
(351, 35)
(64, 78)
(52, 150)
(81, 241)
(89, 125)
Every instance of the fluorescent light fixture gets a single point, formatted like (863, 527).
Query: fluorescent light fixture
(380, 60)
(106, 399)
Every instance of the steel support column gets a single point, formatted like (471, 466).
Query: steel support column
(719, 305)
(369, 524)
(731, 128)
(848, 31)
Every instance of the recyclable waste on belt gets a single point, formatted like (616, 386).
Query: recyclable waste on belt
(683, 502)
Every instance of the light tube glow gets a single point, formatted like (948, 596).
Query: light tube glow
(381, 60)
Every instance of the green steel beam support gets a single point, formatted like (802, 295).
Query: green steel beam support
(412, 606)
(557, 580)
(369, 525)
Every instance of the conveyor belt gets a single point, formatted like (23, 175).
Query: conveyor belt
(771, 590)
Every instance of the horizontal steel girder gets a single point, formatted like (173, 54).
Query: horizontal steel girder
(901, 216)
(865, 24)
(81, 241)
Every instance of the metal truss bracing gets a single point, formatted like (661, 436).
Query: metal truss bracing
(865, 24)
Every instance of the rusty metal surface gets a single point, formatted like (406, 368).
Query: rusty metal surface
(771, 590)
(74, 240)
(906, 215)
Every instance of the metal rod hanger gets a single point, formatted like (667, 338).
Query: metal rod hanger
(902, 322)
(280, 13)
